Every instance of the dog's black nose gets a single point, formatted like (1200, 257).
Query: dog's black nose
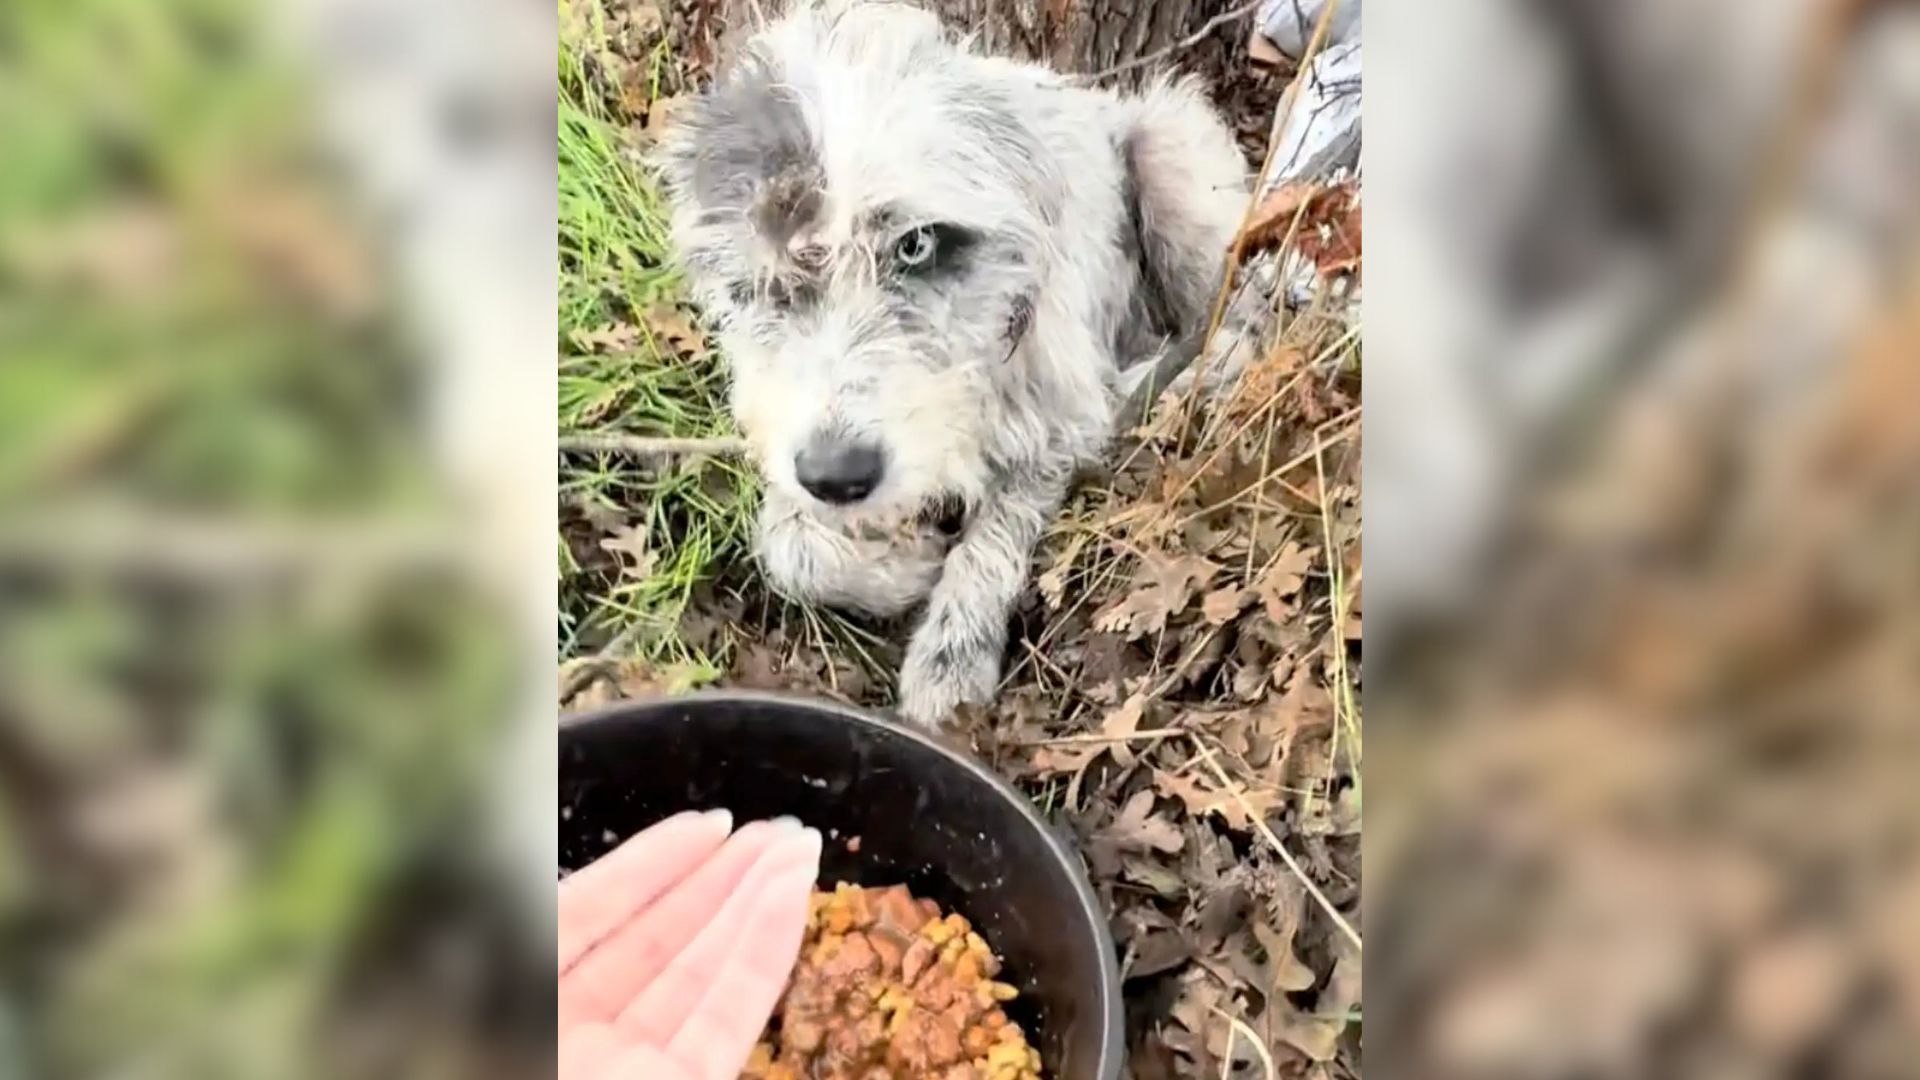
(839, 472)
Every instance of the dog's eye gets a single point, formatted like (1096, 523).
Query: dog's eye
(917, 248)
(931, 250)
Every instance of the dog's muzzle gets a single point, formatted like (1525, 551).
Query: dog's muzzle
(947, 513)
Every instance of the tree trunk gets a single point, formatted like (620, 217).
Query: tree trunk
(1078, 36)
(1086, 37)
(1081, 36)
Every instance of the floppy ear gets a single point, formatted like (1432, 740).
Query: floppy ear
(744, 128)
(1186, 191)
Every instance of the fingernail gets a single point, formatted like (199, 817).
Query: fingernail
(786, 822)
(815, 843)
(723, 817)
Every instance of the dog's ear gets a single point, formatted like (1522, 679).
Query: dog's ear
(744, 130)
(1185, 185)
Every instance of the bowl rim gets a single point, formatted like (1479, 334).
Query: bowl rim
(1112, 1039)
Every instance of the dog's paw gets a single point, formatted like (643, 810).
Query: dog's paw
(939, 676)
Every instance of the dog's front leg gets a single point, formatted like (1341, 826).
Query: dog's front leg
(955, 653)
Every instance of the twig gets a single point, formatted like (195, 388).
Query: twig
(1344, 704)
(1266, 470)
(1183, 44)
(1072, 740)
(649, 446)
(1260, 824)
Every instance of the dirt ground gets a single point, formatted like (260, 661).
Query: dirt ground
(1182, 692)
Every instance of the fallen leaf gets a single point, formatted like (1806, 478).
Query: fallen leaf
(1164, 587)
(1201, 1001)
(1069, 761)
(634, 85)
(1137, 828)
(757, 667)
(1322, 220)
(1317, 1033)
(675, 330)
(1302, 717)
(1222, 605)
(1281, 972)
(1283, 579)
(1122, 722)
(1344, 817)
(1335, 246)
(1159, 951)
(660, 115)
(1203, 796)
(629, 543)
(1053, 583)
(1156, 875)
(1222, 915)
(608, 338)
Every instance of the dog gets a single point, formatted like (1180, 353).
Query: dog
(932, 272)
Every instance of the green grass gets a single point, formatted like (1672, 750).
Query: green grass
(616, 269)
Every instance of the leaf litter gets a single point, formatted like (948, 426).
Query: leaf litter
(1173, 695)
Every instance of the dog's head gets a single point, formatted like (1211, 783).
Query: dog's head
(865, 216)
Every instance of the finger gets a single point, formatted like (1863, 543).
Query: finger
(597, 1052)
(619, 967)
(748, 935)
(644, 1063)
(599, 898)
(584, 1051)
(715, 1040)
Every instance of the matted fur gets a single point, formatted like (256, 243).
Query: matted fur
(1077, 232)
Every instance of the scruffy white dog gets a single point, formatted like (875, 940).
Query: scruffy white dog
(931, 272)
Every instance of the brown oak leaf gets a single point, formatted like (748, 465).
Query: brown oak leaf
(1137, 828)
(1223, 604)
(1283, 579)
(1163, 588)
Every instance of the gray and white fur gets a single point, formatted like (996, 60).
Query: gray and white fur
(931, 272)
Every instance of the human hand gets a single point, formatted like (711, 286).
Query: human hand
(675, 947)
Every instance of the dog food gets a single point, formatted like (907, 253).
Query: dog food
(887, 988)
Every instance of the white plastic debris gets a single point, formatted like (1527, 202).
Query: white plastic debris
(1320, 142)
(1322, 135)
(1289, 24)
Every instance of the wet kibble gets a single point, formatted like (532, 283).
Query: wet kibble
(889, 988)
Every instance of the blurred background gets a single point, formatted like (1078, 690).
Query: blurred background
(1643, 464)
(276, 327)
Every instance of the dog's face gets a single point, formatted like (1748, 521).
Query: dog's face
(865, 218)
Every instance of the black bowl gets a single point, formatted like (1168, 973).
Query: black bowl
(925, 816)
